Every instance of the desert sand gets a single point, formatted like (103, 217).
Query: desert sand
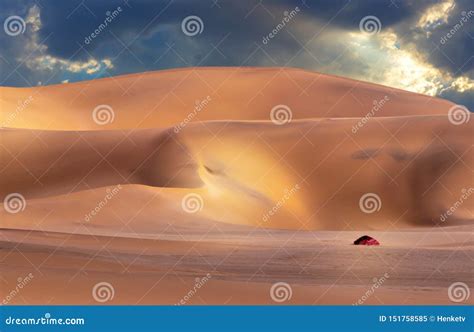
(189, 174)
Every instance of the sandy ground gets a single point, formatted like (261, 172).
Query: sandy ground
(232, 198)
(321, 267)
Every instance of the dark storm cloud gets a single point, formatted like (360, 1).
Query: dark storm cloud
(450, 45)
(462, 98)
(347, 14)
(72, 21)
(141, 36)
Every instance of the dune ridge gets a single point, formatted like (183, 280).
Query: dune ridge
(165, 98)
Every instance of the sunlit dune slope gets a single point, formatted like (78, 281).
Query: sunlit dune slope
(167, 98)
(310, 174)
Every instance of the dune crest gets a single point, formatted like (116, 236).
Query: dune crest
(167, 98)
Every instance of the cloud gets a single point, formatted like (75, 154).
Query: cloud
(33, 18)
(454, 54)
(407, 53)
(435, 15)
(33, 54)
(380, 57)
(48, 62)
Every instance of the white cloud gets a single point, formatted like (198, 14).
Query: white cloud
(436, 15)
(36, 57)
(48, 62)
(377, 58)
(33, 18)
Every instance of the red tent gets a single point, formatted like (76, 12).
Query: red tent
(366, 240)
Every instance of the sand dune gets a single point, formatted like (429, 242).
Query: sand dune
(326, 172)
(157, 194)
(164, 99)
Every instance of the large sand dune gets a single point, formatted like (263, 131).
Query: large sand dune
(158, 197)
(166, 98)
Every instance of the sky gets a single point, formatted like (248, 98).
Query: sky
(424, 46)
